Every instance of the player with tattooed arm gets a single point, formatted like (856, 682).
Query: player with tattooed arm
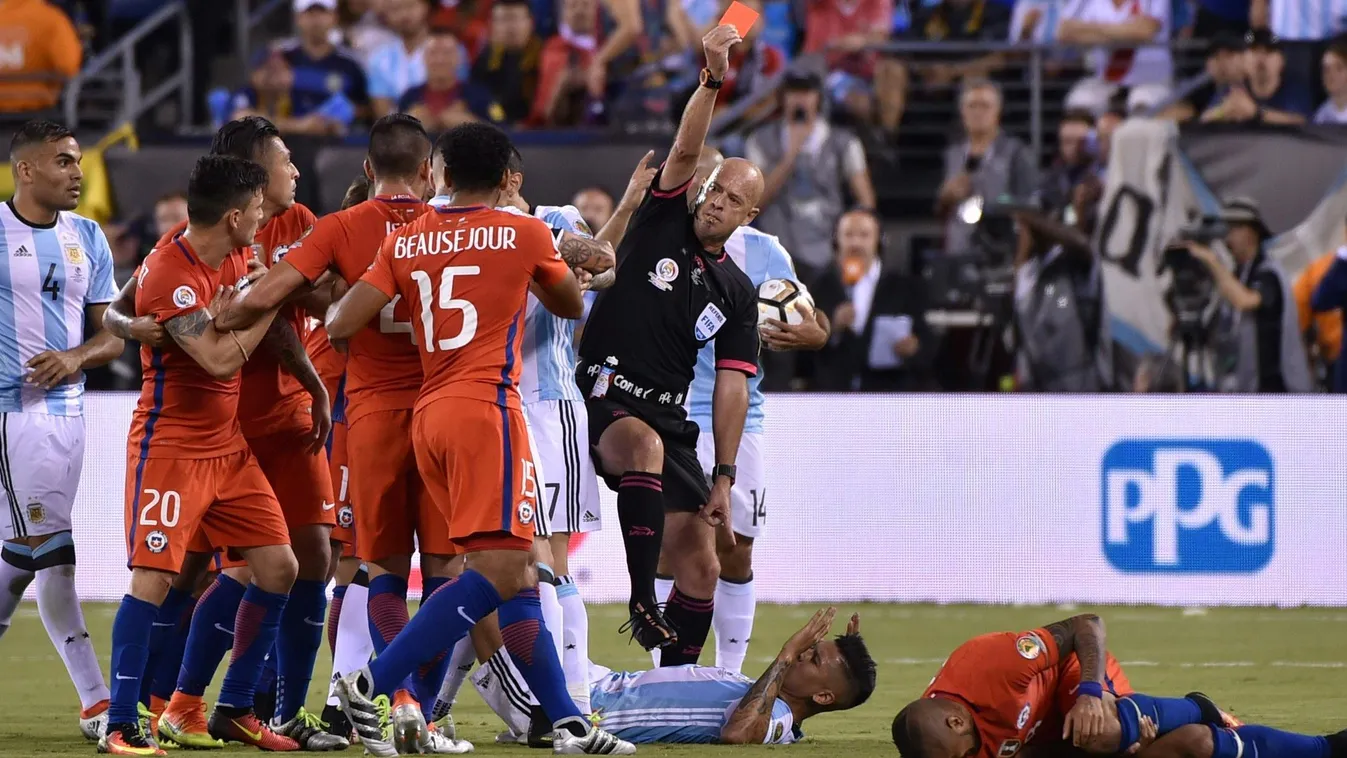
(189, 468)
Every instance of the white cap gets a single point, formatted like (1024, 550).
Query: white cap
(303, 5)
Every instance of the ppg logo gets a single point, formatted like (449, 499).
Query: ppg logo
(1188, 506)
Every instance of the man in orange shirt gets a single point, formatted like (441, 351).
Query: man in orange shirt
(394, 515)
(39, 51)
(189, 468)
(466, 269)
(285, 414)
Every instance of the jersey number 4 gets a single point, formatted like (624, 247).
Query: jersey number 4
(51, 285)
(446, 302)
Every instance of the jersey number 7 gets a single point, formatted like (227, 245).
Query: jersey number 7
(446, 302)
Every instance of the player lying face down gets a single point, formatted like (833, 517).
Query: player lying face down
(1000, 692)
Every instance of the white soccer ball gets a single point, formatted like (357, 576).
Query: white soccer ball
(783, 300)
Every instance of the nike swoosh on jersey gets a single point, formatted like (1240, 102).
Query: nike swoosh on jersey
(229, 632)
(466, 617)
(329, 506)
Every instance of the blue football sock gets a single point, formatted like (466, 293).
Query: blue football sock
(259, 619)
(430, 675)
(297, 646)
(1266, 742)
(211, 634)
(529, 644)
(387, 609)
(1168, 713)
(442, 620)
(130, 650)
(266, 681)
(168, 638)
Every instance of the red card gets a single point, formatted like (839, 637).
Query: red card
(740, 16)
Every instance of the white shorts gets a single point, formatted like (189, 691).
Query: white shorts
(41, 457)
(748, 498)
(570, 496)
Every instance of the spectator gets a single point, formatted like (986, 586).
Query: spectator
(753, 64)
(961, 21)
(985, 166)
(1265, 96)
(507, 68)
(1225, 66)
(811, 166)
(1103, 22)
(1076, 144)
(443, 101)
(39, 51)
(363, 29)
(169, 211)
(1329, 297)
(1324, 326)
(1334, 109)
(307, 86)
(466, 20)
(565, 94)
(1107, 123)
(398, 66)
(879, 341)
(595, 206)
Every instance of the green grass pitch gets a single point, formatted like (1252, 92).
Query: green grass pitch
(1280, 667)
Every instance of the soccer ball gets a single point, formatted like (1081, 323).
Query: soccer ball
(783, 300)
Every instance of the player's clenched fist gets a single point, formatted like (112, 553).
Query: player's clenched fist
(717, 44)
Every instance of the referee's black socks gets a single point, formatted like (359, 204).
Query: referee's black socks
(640, 511)
(692, 618)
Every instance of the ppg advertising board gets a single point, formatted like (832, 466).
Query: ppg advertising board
(980, 499)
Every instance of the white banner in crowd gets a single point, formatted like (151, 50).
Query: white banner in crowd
(980, 499)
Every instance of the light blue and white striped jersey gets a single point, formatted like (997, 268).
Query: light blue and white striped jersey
(48, 275)
(548, 370)
(762, 257)
(679, 704)
(1307, 19)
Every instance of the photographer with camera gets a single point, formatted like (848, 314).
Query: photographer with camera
(1059, 303)
(1258, 326)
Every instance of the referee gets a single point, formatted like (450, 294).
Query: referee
(675, 291)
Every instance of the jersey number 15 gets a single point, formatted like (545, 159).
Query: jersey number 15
(446, 302)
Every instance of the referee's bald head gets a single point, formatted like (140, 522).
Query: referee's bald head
(728, 200)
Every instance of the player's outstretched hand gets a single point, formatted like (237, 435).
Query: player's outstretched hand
(717, 44)
(1085, 721)
(50, 368)
(716, 512)
(147, 331)
(812, 633)
(640, 181)
(806, 335)
(321, 414)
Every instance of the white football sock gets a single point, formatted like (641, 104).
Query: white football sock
(501, 686)
(663, 589)
(354, 647)
(736, 603)
(461, 659)
(59, 607)
(575, 637)
(552, 613)
(13, 581)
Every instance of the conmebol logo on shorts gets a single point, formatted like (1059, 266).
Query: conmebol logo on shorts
(1188, 506)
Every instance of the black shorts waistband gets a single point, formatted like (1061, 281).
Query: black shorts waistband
(628, 385)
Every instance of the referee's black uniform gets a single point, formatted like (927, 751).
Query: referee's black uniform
(638, 354)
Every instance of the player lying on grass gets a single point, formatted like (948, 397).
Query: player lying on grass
(1058, 690)
(702, 704)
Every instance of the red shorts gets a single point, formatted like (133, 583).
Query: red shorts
(394, 514)
(477, 462)
(344, 531)
(301, 481)
(174, 505)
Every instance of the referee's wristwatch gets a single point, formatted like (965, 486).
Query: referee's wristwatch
(710, 82)
(724, 469)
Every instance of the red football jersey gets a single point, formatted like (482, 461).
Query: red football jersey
(466, 272)
(1009, 681)
(183, 411)
(383, 371)
(272, 400)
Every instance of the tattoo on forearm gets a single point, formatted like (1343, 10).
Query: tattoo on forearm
(603, 281)
(762, 695)
(190, 326)
(577, 251)
(282, 341)
(1084, 636)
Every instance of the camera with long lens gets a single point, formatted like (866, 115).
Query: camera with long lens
(1191, 286)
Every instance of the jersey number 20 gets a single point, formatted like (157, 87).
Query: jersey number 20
(446, 302)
